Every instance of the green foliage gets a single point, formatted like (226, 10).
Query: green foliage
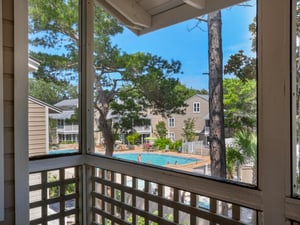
(245, 148)
(239, 104)
(253, 31)
(67, 142)
(161, 130)
(51, 92)
(132, 138)
(150, 75)
(233, 157)
(247, 143)
(242, 66)
(140, 220)
(175, 145)
(54, 191)
(188, 129)
(54, 31)
(161, 143)
(70, 188)
(74, 118)
(130, 108)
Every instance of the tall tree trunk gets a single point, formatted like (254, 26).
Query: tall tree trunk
(107, 135)
(216, 107)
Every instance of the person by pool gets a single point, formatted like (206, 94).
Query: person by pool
(139, 158)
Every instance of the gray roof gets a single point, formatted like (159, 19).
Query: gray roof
(51, 108)
(205, 97)
(63, 115)
(68, 104)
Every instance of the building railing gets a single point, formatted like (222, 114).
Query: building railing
(68, 128)
(143, 129)
(117, 192)
(121, 199)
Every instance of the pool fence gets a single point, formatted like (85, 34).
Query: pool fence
(195, 147)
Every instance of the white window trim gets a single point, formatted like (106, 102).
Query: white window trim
(195, 111)
(172, 137)
(171, 124)
(1, 125)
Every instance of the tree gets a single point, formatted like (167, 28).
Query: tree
(241, 66)
(56, 27)
(161, 130)
(244, 150)
(51, 92)
(239, 104)
(188, 129)
(132, 138)
(234, 158)
(149, 79)
(130, 109)
(216, 112)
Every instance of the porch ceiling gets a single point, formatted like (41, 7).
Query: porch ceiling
(143, 16)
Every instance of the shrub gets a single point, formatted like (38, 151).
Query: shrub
(132, 138)
(175, 145)
(162, 142)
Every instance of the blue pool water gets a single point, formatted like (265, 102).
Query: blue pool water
(156, 159)
(152, 158)
(63, 151)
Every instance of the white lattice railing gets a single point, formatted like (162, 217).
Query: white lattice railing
(119, 198)
(119, 192)
(54, 196)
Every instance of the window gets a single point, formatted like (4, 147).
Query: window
(53, 77)
(53, 111)
(125, 94)
(171, 122)
(172, 136)
(196, 107)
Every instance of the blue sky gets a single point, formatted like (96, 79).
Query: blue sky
(179, 42)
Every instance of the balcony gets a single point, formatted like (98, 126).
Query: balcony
(119, 193)
(68, 129)
(143, 129)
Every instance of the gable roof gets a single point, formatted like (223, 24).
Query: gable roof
(63, 115)
(68, 104)
(51, 108)
(204, 97)
(143, 16)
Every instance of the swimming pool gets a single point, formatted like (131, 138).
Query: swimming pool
(156, 159)
(62, 151)
(153, 158)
